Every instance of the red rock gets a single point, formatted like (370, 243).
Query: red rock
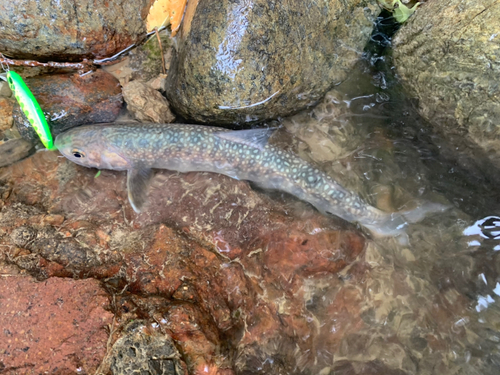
(191, 332)
(54, 326)
(69, 100)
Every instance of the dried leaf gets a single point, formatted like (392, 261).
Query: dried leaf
(177, 8)
(188, 15)
(159, 14)
(165, 12)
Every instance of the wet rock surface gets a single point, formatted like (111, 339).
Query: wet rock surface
(69, 100)
(231, 67)
(14, 150)
(447, 56)
(63, 31)
(54, 326)
(221, 269)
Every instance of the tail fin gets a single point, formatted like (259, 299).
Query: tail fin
(394, 224)
(419, 213)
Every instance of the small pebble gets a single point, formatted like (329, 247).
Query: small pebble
(147, 104)
(5, 90)
(54, 219)
(159, 83)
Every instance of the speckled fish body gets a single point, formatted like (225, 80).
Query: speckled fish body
(243, 155)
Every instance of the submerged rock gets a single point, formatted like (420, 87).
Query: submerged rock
(447, 56)
(221, 268)
(55, 326)
(14, 150)
(65, 31)
(238, 62)
(69, 100)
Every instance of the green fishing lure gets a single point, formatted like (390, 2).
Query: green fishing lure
(31, 108)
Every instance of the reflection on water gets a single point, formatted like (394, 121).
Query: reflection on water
(433, 306)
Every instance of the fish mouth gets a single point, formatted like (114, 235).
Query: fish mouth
(63, 143)
(74, 145)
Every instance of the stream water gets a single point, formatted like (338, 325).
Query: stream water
(431, 306)
(428, 306)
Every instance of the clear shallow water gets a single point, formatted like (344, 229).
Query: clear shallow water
(428, 307)
(431, 306)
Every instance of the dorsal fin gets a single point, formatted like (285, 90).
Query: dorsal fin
(253, 137)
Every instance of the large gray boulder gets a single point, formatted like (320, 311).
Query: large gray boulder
(249, 60)
(69, 30)
(448, 56)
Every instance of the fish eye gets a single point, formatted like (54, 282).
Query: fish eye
(78, 153)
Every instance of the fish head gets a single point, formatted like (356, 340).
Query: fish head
(88, 146)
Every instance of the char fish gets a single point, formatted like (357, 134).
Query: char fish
(242, 155)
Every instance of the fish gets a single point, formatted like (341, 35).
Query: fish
(241, 154)
(30, 108)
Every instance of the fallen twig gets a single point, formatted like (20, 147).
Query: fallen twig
(161, 52)
(85, 65)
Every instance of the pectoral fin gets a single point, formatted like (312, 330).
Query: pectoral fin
(138, 186)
